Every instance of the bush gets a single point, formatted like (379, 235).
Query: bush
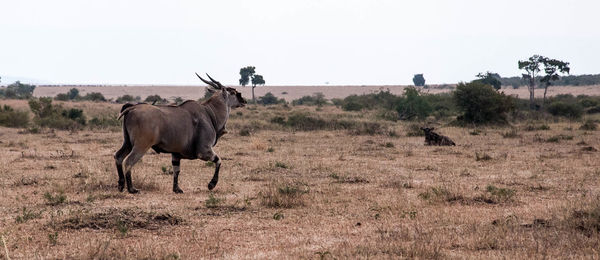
(270, 99)
(304, 122)
(413, 105)
(568, 110)
(62, 97)
(593, 110)
(17, 90)
(442, 104)
(481, 104)
(94, 96)
(155, 99)
(317, 99)
(352, 106)
(12, 118)
(587, 102)
(127, 98)
(381, 99)
(104, 122)
(54, 116)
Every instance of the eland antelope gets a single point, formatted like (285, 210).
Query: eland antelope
(186, 131)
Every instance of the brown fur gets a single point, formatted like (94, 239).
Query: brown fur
(186, 131)
(433, 138)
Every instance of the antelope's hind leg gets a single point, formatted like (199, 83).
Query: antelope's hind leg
(119, 157)
(136, 154)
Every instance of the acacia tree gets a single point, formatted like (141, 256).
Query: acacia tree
(532, 67)
(551, 68)
(245, 74)
(490, 78)
(419, 80)
(256, 80)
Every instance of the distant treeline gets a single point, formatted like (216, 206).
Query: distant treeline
(571, 80)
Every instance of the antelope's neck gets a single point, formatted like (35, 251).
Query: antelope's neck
(220, 112)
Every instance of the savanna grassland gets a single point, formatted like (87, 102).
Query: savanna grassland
(307, 182)
(290, 93)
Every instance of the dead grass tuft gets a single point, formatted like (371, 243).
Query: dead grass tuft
(585, 219)
(284, 195)
(112, 218)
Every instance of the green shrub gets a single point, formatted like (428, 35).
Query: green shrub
(54, 116)
(104, 122)
(54, 200)
(587, 102)
(499, 195)
(317, 99)
(17, 90)
(155, 99)
(62, 97)
(73, 93)
(352, 106)
(94, 96)
(412, 105)
(304, 122)
(13, 118)
(338, 102)
(381, 99)
(270, 99)
(27, 215)
(481, 104)
(568, 110)
(127, 98)
(442, 104)
(213, 202)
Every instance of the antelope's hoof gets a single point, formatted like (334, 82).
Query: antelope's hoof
(121, 188)
(177, 190)
(132, 190)
(211, 185)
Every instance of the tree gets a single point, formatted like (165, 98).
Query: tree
(419, 80)
(19, 90)
(73, 93)
(270, 99)
(481, 104)
(256, 80)
(489, 78)
(245, 74)
(551, 68)
(413, 105)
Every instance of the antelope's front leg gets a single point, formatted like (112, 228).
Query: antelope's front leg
(215, 178)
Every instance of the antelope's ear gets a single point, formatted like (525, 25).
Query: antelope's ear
(432, 128)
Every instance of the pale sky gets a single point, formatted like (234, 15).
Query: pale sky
(306, 42)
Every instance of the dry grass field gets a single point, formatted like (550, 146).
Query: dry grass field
(501, 193)
(288, 93)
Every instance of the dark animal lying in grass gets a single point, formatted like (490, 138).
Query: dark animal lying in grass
(433, 138)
